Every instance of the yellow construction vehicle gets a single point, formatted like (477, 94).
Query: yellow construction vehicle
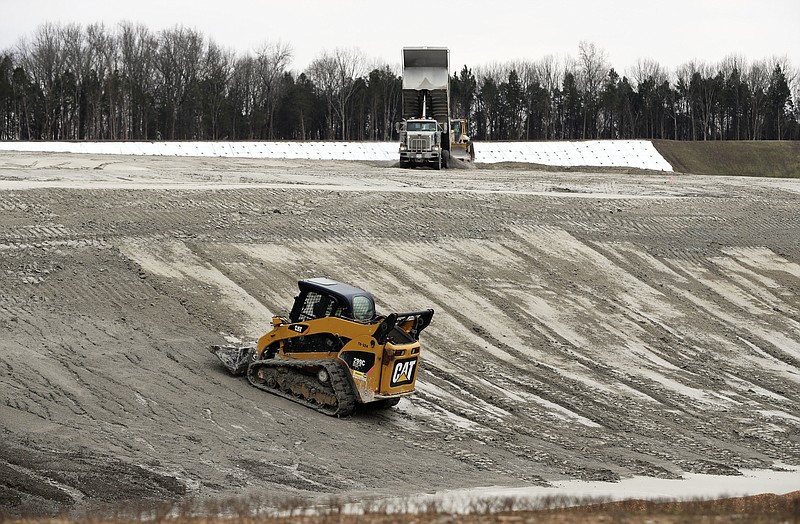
(461, 146)
(333, 351)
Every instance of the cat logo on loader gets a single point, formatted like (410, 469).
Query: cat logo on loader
(403, 372)
(333, 351)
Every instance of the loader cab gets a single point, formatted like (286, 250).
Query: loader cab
(458, 129)
(323, 297)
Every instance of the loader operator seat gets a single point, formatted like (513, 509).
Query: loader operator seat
(320, 308)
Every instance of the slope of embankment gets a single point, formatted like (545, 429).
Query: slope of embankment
(780, 159)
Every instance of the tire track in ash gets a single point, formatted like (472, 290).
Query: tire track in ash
(675, 400)
(82, 345)
(573, 402)
(448, 369)
(48, 238)
(457, 370)
(597, 285)
(696, 347)
(176, 262)
(651, 317)
(124, 385)
(609, 317)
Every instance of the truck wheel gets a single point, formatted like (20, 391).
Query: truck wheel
(446, 159)
(438, 165)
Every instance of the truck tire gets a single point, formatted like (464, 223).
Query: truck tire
(446, 159)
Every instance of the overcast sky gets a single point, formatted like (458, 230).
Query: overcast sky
(477, 32)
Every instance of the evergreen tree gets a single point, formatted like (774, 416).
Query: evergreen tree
(780, 109)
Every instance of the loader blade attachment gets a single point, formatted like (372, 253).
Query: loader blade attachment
(235, 358)
(458, 151)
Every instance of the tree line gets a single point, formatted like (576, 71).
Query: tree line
(70, 82)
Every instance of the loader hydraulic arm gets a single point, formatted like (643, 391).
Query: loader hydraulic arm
(412, 322)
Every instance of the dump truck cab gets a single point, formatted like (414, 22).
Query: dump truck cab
(421, 143)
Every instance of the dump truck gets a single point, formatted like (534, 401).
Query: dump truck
(333, 351)
(428, 136)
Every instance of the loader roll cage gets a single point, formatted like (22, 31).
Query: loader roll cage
(323, 297)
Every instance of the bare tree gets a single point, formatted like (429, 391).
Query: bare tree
(42, 57)
(648, 69)
(732, 68)
(757, 78)
(180, 53)
(102, 60)
(594, 67)
(335, 75)
(794, 84)
(530, 77)
(271, 62)
(351, 64)
(137, 46)
(489, 77)
(648, 76)
(322, 72)
(216, 73)
(384, 91)
(71, 79)
(243, 95)
(551, 75)
(683, 76)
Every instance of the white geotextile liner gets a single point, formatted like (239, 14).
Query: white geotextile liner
(610, 153)
(600, 153)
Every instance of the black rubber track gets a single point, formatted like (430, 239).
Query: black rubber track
(340, 385)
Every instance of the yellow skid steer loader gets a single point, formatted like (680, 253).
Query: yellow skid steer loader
(333, 351)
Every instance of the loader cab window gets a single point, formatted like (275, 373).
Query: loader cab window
(457, 131)
(317, 305)
(363, 308)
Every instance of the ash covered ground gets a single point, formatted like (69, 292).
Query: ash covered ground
(588, 325)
